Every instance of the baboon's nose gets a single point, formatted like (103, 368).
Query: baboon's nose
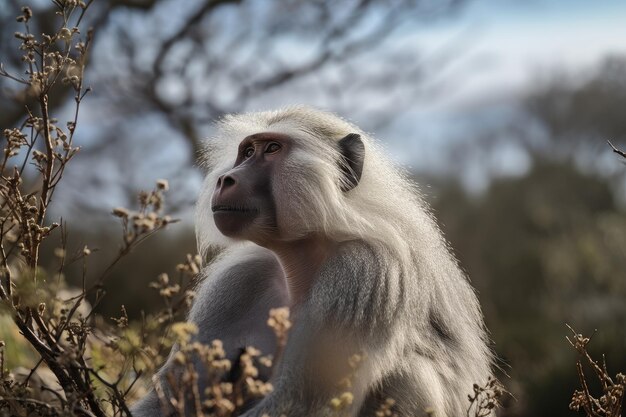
(225, 181)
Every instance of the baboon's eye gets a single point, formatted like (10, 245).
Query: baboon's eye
(248, 152)
(272, 147)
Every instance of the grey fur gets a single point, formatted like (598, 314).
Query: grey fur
(379, 310)
(233, 299)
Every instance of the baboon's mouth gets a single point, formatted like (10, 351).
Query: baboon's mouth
(232, 209)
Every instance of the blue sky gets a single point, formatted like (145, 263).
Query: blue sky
(527, 39)
(510, 47)
(506, 49)
(513, 44)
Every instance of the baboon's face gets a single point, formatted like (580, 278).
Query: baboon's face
(243, 203)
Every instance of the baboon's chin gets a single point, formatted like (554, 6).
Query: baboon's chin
(234, 224)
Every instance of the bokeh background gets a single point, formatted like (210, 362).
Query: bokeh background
(500, 109)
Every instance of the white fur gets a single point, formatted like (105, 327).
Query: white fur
(386, 210)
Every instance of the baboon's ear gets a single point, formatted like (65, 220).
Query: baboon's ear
(353, 153)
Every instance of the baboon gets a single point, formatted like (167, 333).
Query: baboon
(315, 217)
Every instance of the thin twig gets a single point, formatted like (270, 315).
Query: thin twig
(617, 151)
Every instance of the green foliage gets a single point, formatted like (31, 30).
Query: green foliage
(543, 250)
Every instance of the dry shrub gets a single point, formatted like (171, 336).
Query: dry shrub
(85, 365)
(611, 399)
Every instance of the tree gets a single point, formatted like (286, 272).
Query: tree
(163, 73)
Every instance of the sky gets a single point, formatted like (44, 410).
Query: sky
(516, 43)
(511, 47)
(506, 49)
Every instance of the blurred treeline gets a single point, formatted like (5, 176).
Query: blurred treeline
(549, 247)
(543, 248)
